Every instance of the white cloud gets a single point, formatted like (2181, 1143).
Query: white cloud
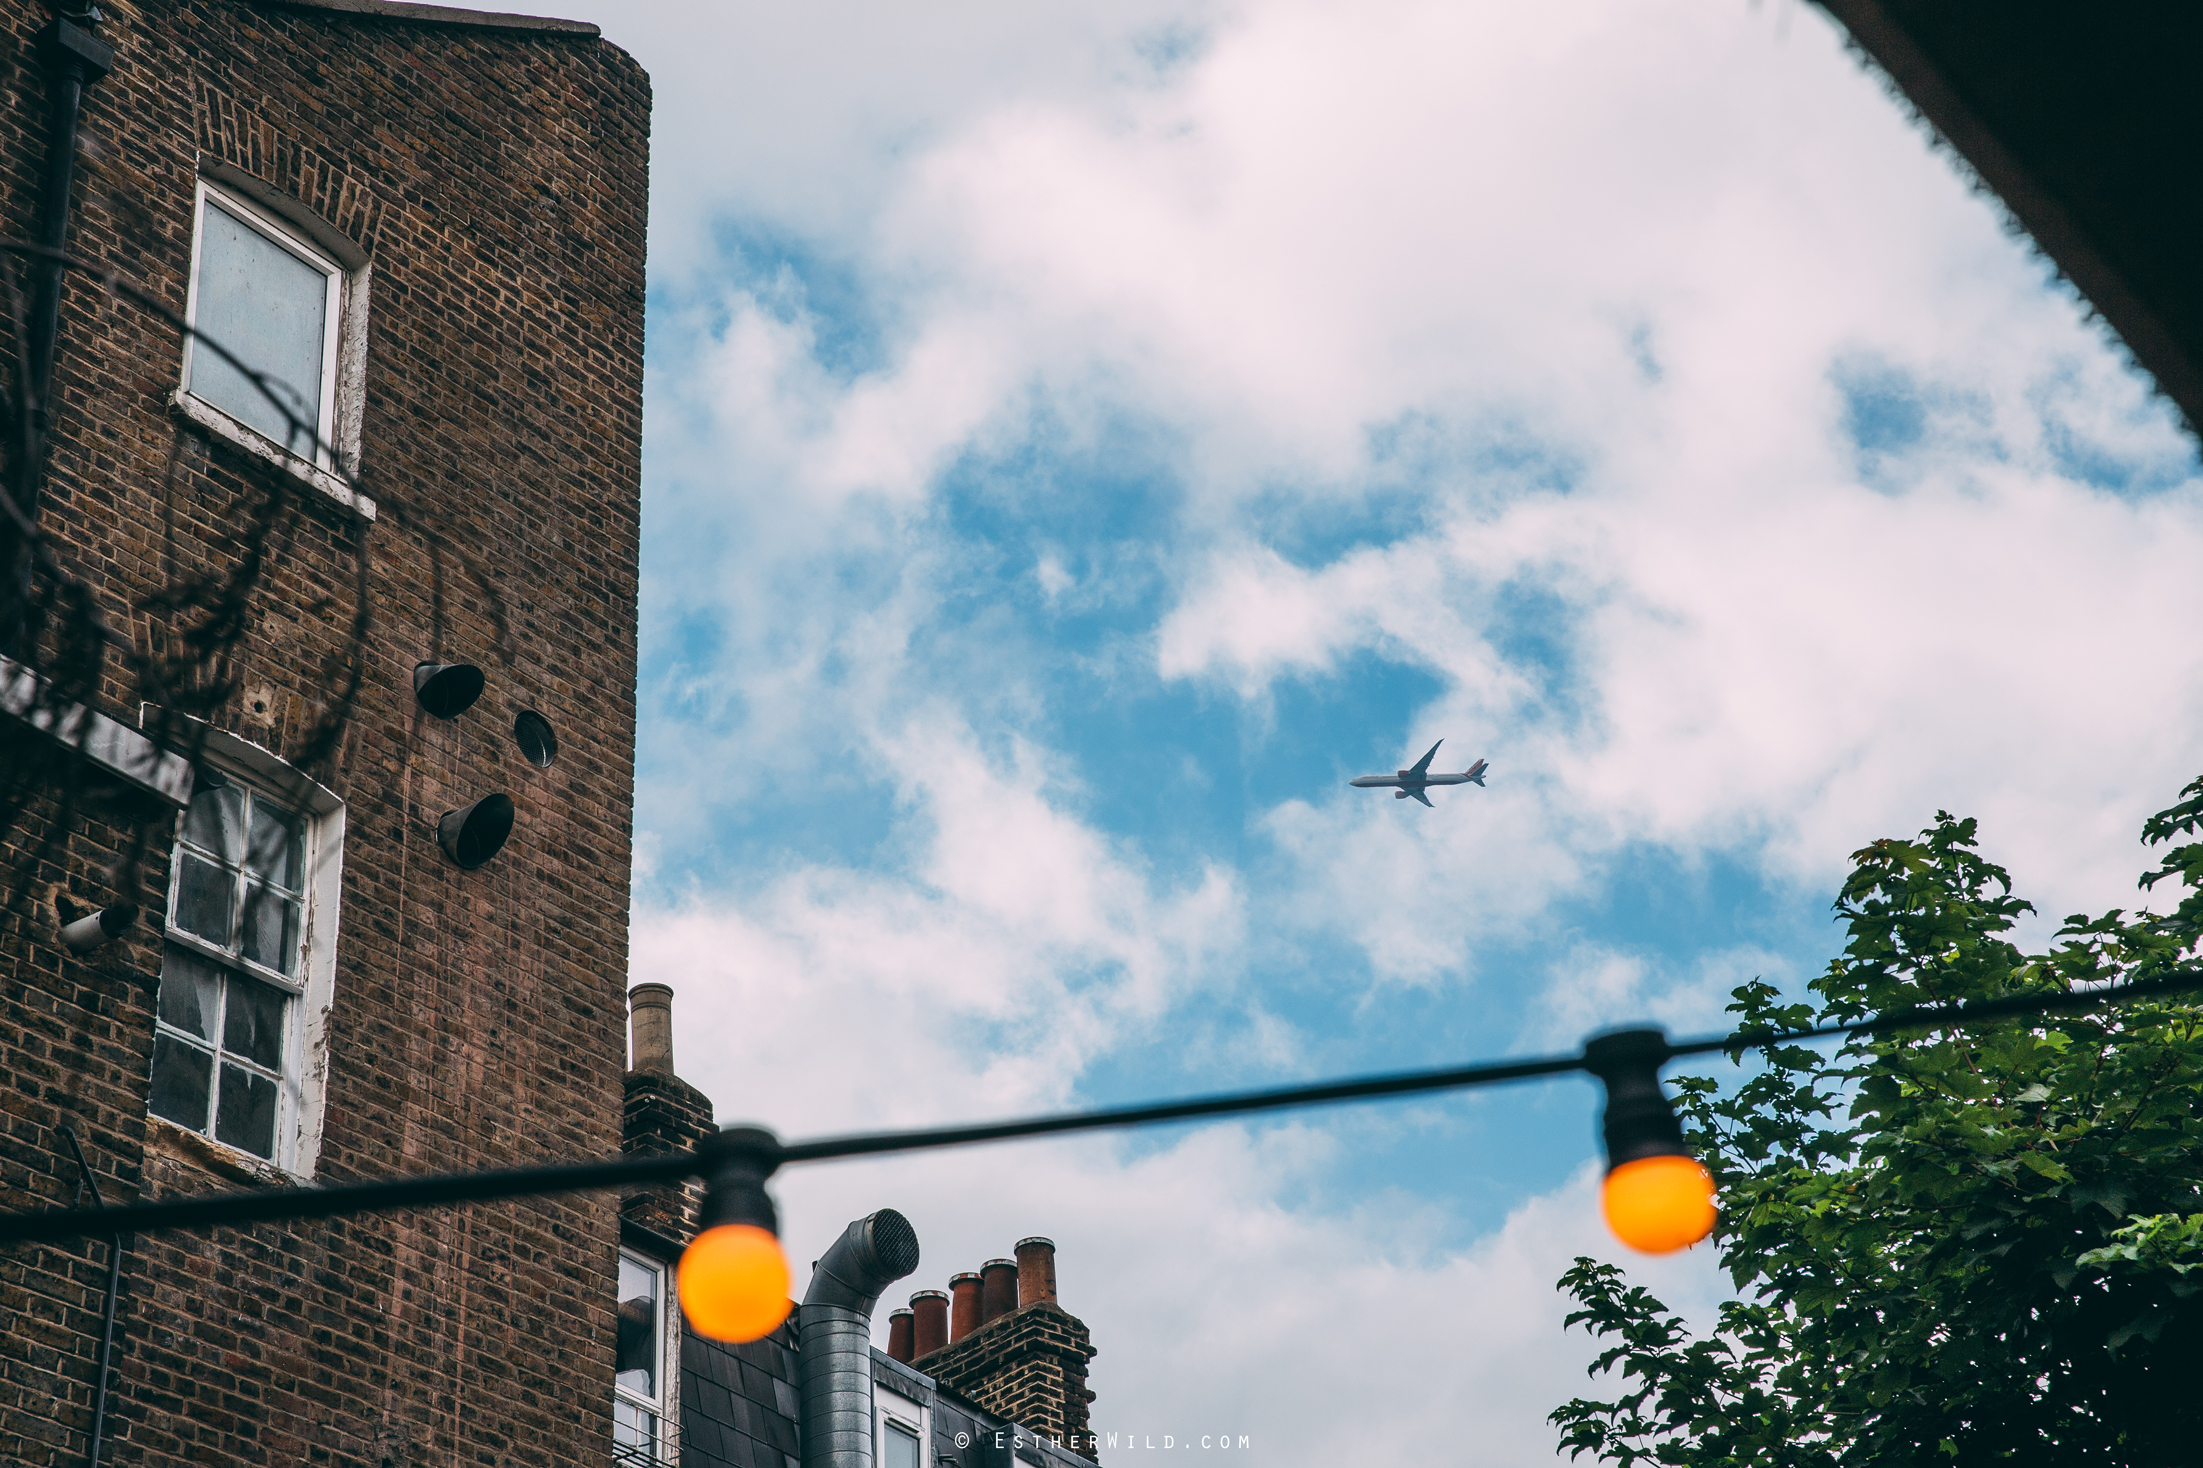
(1595, 987)
(1017, 945)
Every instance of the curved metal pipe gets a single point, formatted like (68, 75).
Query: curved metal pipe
(834, 1332)
(115, 1246)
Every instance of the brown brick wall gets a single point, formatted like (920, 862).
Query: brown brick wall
(498, 181)
(665, 1114)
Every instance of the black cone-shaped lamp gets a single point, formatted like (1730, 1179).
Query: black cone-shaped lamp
(447, 690)
(472, 835)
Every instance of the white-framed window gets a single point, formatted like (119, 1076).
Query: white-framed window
(642, 1383)
(900, 1430)
(268, 294)
(249, 958)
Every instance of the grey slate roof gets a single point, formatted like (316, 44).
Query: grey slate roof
(738, 1403)
(739, 1410)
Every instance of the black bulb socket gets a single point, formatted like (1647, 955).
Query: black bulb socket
(1639, 1121)
(735, 1163)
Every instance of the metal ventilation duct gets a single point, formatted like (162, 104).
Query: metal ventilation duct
(834, 1330)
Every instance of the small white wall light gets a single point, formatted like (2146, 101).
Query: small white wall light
(95, 928)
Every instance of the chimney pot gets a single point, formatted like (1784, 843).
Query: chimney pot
(899, 1339)
(997, 1289)
(1036, 1272)
(963, 1306)
(929, 1310)
(651, 1006)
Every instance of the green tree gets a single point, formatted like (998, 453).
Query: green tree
(1953, 1247)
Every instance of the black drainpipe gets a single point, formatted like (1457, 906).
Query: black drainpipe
(114, 1288)
(74, 59)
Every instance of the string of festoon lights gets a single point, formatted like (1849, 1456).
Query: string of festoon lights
(733, 1279)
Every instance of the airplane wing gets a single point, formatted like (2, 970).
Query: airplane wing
(1422, 766)
(1416, 792)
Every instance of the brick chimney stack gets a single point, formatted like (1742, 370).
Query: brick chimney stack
(1036, 1272)
(651, 1028)
(1026, 1359)
(930, 1326)
(662, 1113)
(963, 1306)
(997, 1289)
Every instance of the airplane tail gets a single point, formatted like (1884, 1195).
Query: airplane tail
(1475, 772)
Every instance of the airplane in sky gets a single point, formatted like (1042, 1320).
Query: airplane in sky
(1415, 781)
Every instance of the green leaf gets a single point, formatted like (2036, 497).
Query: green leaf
(2044, 1167)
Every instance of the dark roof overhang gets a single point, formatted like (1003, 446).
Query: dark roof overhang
(2087, 121)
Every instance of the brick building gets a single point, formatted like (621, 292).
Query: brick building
(998, 1379)
(430, 224)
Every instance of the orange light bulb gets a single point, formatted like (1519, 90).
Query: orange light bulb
(1659, 1204)
(733, 1283)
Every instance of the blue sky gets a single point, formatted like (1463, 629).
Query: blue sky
(1081, 437)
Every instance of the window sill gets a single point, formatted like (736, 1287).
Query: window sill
(228, 429)
(116, 748)
(166, 1141)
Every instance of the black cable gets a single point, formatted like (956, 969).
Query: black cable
(374, 1195)
(1456, 1078)
(1366, 1088)
(1938, 1016)
(473, 1187)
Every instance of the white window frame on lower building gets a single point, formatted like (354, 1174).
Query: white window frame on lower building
(894, 1412)
(307, 983)
(661, 1444)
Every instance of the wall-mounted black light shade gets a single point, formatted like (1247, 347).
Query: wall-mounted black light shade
(472, 836)
(93, 929)
(532, 732)
(447, 690)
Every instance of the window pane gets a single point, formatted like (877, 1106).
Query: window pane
(253, 1025)
(899, 1449)
(274, 850)
(215, 820)
(638, 1351)
(206, 898)
(271, 929)
(191, 992)
(269, 307)
(246, 1117)
(634, 1433)
(180, 1075)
